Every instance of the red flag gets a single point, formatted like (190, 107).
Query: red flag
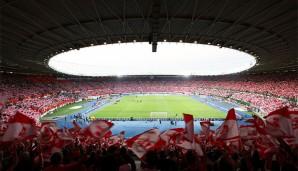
(279, 123)
(228, 131)
(258, 121)
(64, 135)
(168, 135)
(107, 134)
(77, 128)
(206, 128)
(260, 125)
(186, 145)
(229, 128)
(56, 147)
(51, 125)
(265, 147)
(113, 140)
(121, 137)
(19, 127)
(98, 128)
(294, 119)
(144, 142)
(47, 136)
(248, 132)
(189, 127)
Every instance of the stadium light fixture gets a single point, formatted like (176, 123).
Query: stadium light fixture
(186, 75)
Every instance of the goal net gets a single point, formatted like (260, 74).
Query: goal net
(158, 114)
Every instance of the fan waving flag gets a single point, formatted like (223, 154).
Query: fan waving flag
(228, 131)
(77, 128)
(280, 120)
(206, 128)
(47, 136)
(294, 119)
(98, 128)
(248, 132)
(189, 127)
(52, 125)
(144, 142)
(113, 140)
(19, 127)
(56, 147)
(169, 135)
(64, 135)
(121, 136)
(229, 128)
(186, 145)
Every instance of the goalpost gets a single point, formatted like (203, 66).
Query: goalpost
(158, 114)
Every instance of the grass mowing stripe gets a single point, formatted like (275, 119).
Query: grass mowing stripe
(142, 106)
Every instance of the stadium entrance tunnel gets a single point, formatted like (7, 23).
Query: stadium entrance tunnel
(137, 59)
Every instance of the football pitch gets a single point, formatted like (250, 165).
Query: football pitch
(157, 106)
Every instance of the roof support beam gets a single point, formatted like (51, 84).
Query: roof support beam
(155, 25)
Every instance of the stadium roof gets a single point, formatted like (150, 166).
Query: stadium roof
(33, 31)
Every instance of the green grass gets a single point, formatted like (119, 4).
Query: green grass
(128, 107)
(65, 109)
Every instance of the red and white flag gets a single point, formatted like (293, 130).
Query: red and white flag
(229, 128)
(47, 136)
(206, 128)
(98, 128)
(64, 135)
(77, 127)
(113, 140)
(259, 124)
(107, 134)
(228, 131)
(144, 142)
(51, 125)
(294, 119)
(248, 132)
(279, 123)
(189, 127)
(265, 147)
(121, 136)
(170, 134)
(56, 147)
(19, 127)
(186, 145)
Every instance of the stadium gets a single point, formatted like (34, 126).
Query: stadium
(148, 85)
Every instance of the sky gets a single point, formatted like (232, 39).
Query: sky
(138, 59)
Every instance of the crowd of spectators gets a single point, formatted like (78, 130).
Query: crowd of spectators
(37, 94)
(80, 156)
(34, 95)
